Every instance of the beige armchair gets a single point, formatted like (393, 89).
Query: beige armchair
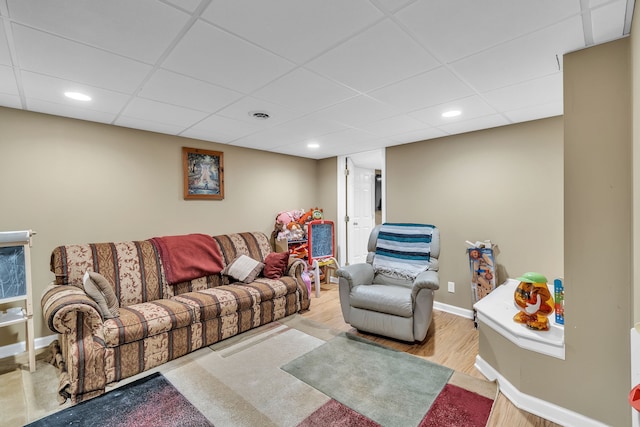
(393, 294)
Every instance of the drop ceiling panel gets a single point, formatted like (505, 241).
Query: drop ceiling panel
(601, 19)
(535, 112)
(393, 5)
(8, 84)
(243, 109)
(357, 111)
(146, 109)
(5, 54)
(220, 129)
(295, 29)
(470, 108)
(176, 89)
(268, 139)
(525, 58)
(311, 127)
(58, 57)
(540, 91)
(210, 54)
(74, 112)
(139, 29)
(394, 126)
(418, 135)
(425, 90)
(187, 5)
(304, 91)
(381, 55)
(51, 89)
(486, 122)
(354, 74)
(456, 29)
(150, 125)
(11, 101)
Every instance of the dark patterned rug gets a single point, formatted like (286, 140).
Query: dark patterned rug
(149, 401)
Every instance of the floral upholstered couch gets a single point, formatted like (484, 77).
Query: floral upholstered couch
(174, 295)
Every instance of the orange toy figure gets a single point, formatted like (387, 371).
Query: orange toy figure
(534, 300)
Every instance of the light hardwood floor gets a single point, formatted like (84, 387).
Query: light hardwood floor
(452, 341)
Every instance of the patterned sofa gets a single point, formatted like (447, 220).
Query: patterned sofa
(158, 320)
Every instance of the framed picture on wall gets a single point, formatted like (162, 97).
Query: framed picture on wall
(203, 174)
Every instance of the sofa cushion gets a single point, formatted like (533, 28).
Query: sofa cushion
(243, 269)
(133, 268)
(147, 319)
(229, 299)
(275, 265)
(389, 299)
(100, 290)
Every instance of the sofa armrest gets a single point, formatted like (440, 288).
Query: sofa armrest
(69, 311)
(61, 305)
(426, 280)
(356, 274)
(296, 267)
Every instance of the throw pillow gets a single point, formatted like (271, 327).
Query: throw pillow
(244, 269)
(99, 289)
(275, 265)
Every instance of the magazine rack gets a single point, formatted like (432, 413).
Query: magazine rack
(15, 284)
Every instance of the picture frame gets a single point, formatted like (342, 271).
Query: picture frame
(203, 174)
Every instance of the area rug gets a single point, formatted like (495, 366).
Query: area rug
(239, 382)
(151, 401)
(389, 387)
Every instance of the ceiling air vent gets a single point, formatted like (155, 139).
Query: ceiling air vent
(259, 115)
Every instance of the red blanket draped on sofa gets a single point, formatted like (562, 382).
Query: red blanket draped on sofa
(188, 257)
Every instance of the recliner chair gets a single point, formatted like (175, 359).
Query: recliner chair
(382, 302)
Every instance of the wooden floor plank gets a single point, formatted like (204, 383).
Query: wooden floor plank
(451, 341)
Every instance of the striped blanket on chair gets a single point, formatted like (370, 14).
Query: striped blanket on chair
(403, 250)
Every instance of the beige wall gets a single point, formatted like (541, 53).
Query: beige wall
(635, 120)
(77, 182)
(503, 184)
(327, 187)
(598, 228)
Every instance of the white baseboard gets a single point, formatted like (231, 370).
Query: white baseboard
(21, 347)
(534, 405)
(462, 312)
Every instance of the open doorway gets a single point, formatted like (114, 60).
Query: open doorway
(361, 202)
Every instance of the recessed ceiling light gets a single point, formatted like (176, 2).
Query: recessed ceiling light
(260, 115)
(451, 113)
(77, 96)
(313, 145)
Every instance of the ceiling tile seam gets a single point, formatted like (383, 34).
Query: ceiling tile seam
(587, 25)
(177, 7)
(15, 66)
(480, 94)
(208, 83)
(302, 142)
(521, 36)
(79, 42)
(337, 82)
(391, 11)
(303, 64)
(440, 61)
(628, 17)
(163, 56)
